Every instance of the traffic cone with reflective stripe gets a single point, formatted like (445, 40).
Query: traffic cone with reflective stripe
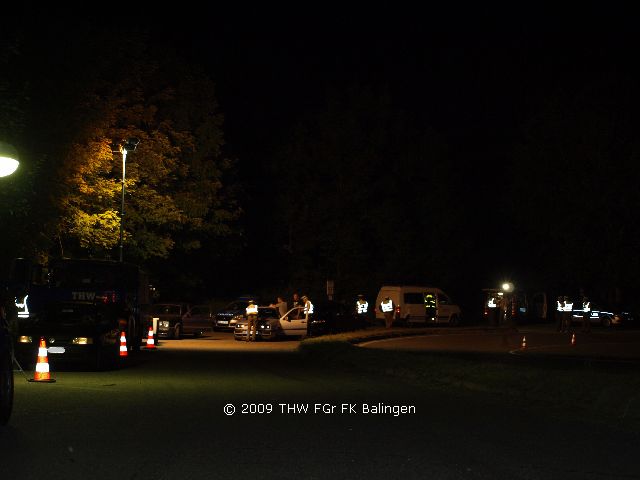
(523, 345)
(42, 373)
(573, 339)
(123, 345)
(151, 344)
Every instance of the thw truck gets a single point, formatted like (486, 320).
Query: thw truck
(80, 307)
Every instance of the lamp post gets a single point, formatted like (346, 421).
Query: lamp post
(8, 159)
(8, 164)
(124, 147)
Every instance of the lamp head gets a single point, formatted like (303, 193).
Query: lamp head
(131, 144)
(8, 159)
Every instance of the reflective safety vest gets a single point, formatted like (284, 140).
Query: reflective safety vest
(586, 306)
(492, 303)
(252, 309)
(387, 306)
(362, 306)
(308, 307)
(568, 306)
(560, 307)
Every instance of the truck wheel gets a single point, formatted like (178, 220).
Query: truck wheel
(6, 388)
(454, 321)
(606, 321)
(177, 333)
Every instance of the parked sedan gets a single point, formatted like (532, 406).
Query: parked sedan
(199, 319)
(328, 317)
(169, 318)
(267, 325)
(334, 317)
(227, 318)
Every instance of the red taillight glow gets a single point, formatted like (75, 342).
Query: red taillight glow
(108, 297)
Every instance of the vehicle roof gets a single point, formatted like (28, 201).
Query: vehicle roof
(408, 287)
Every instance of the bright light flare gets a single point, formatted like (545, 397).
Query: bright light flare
(8, 166)
(507, 287)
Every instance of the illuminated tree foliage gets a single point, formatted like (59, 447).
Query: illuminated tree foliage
(107, 89)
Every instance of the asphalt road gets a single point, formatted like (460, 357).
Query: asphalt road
(162, 417)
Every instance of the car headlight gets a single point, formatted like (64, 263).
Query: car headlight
(164, 324)
(82, 341)
(25, 339)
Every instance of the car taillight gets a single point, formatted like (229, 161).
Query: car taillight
(108, 297)
(398, 309)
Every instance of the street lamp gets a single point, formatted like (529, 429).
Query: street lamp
(124, 147)
(8, 159)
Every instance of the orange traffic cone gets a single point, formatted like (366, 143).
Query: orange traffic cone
(151, 344)
(524, 343)
(573, 339)
(42, 367)
(123, 345)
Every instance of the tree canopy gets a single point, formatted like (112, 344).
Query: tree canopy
(83, 97)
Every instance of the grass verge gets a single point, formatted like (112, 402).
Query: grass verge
(592, 391)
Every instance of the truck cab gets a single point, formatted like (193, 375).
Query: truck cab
(80, 307)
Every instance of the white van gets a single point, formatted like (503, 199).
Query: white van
(409, 302)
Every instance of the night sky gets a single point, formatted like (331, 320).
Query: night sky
(473, 75)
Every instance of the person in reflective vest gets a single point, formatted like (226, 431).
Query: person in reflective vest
(387, 307)
(362, 308)
(586, 315)
(430, 307)
(568, 314)
(492, 310)
(252, 318)
(308, 311)
(559, 314)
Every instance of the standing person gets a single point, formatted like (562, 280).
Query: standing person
(281, 305)
(492, 310)
(568, 314)
(308, 311)
(430, 307)
(387, 307)
(505, 310)
(252, 318)
(362, 310)
(586, 315)
(559, 314)
(296, 302)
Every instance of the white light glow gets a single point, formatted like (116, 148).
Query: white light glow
(8, 166)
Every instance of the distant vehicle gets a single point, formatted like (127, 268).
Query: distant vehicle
(334, 317)
(410, 307)
(227, 317)
(267, 325)
(6, 372)
(328, 317)
(199, 319)
(603, 316)
(79, 307)
(169, 318)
